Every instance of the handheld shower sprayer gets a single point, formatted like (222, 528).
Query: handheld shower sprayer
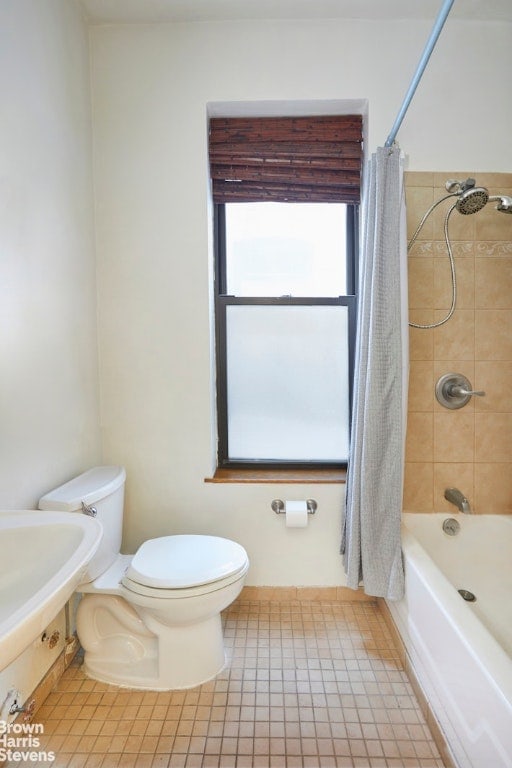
(504, 203)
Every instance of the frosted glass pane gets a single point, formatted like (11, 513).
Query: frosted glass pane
(285, 249)
(287, 376)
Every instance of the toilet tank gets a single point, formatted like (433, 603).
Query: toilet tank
(103, 489)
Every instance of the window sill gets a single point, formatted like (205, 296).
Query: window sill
(278, 476)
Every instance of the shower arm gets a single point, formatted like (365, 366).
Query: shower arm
(436, 31)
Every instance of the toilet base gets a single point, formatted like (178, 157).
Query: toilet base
(144, 673)
(122, 649)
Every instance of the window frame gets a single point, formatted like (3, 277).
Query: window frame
(222, 300)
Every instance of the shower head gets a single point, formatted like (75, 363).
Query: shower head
(472, 200)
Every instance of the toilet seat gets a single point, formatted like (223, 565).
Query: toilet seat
(184, 562)
(135, 592)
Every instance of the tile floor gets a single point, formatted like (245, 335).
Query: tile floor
(307, 685)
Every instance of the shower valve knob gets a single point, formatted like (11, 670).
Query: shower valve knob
(453, 390)
(461, 392)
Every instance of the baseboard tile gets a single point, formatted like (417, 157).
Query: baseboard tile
(284, 594)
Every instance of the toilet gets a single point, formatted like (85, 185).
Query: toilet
(149, 620)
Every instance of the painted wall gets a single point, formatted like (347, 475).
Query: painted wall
(48, 336)
(48, 343)
(151, 88)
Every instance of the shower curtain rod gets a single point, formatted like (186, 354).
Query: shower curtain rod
(436, 31)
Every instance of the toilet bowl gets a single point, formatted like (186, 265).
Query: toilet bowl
(150, 620)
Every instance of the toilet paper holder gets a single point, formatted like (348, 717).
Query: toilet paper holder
(278, 506)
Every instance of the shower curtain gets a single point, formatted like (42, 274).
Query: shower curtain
(371, 544)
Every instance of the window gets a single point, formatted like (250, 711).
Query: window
(285, 301)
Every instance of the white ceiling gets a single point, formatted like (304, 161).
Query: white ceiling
(133, 11)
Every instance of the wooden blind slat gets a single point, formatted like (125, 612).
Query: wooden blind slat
(292, 158)
(226, 164)
(232, 192)
(269, 172)
(314, 128)
(286, 150)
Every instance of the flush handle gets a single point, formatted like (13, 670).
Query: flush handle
(87, 510)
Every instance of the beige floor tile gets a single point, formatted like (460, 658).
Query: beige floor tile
(308, 684)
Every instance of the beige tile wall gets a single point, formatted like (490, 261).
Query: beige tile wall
(470, 448)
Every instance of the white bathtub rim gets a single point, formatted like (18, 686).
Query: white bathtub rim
(34, 615)
(484, 648)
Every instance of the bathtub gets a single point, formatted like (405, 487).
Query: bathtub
(43, 556)
(461, 651)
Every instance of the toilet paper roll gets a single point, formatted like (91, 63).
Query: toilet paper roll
(296, 514)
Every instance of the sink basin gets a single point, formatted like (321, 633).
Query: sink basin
(43, 558)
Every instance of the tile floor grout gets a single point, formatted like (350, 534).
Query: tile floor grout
(307, 685)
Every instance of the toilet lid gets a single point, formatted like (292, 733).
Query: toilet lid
(173, 562)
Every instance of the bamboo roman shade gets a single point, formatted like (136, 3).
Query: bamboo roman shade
(286, 159)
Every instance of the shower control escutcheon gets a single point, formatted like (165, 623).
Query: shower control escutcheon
(453, 390)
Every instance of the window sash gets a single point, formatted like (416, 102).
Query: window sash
(352, 246)
(278, 249)
(223, 300)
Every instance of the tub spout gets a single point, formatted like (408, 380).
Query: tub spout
(454, 496)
